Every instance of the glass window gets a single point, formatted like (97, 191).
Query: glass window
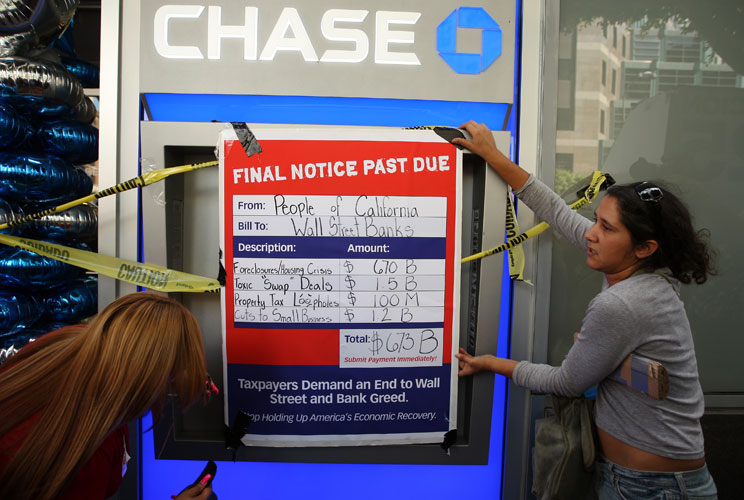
(566, 69)
(604, 73)
(565, 119)
(564, 161)
(676, 114)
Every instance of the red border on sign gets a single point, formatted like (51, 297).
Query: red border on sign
(320, 346)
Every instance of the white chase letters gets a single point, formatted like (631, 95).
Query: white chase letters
(216, 31)
(162, 19)
(289, 34)
(289, 19)
(332, 32)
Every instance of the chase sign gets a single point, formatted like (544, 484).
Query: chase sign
(426, 51)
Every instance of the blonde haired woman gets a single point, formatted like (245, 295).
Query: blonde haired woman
(65, 398)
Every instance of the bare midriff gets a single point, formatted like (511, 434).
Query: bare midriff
(630, 457)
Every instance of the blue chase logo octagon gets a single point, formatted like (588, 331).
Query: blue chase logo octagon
(467, 62)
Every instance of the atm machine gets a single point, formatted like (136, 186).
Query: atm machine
(188, 72)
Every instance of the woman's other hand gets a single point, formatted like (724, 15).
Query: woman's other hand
(468, 364)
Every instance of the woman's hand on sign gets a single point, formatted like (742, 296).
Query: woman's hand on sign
(483, 144)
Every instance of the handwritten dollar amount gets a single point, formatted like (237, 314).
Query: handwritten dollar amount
(423, 342)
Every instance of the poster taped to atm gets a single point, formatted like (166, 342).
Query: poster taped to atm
(340, 312)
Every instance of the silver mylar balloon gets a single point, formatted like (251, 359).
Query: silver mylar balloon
(10, 211)
(85, 111)
(16, 44)
(42, 79)
(77, 223)
(7, 352)
(37, 21)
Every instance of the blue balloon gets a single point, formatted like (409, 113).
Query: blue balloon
(72, 302)
(17, 312)
(74, 141)
(41, 178)
(87, 73)
(15, 130)
(21, 269)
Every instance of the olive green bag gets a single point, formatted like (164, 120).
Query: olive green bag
(565, 447)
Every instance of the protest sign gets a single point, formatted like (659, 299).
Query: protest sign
(340, 311)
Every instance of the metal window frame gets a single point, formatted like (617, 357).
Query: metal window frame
(536, 153)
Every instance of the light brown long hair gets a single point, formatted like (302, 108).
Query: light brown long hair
(83, 382)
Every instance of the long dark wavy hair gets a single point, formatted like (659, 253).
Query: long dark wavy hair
(682, 249)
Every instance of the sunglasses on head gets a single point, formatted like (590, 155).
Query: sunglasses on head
(649, 192)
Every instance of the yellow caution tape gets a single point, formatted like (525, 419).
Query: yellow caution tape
(139, 181)
(516, 254)
(146, 275)
(598, 178)
(168, 280)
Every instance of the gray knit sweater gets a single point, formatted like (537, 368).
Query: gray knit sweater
(642, 314)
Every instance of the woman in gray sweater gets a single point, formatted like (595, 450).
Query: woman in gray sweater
(643, 241)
